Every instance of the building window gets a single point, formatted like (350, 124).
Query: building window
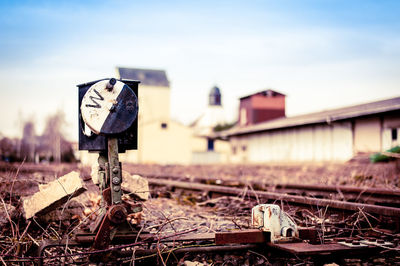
(210, 145)
(234, 149)
(164, 125)
(244, 148)
(394, 134)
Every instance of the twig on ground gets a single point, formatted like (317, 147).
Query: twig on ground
(20, 238)
(15, 177)
(370, 225)
(45, 231)
(4, 263)
(66, 203)
(8, 216)
(167, 222)
(255, 194)
(261, 255)
(238, 226)
(84, 220)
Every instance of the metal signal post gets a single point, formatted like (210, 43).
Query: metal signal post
(108, 111)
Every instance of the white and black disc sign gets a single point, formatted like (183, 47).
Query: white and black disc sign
(107, 111)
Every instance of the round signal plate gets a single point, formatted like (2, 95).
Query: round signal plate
(109, 111)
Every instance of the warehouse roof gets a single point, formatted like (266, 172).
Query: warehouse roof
(149, 77)
(327, 116)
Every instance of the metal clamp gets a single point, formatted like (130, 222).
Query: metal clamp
(270, 218)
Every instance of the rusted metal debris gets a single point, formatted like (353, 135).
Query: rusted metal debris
(334, 204)
(215, 242)
(250, 236)
(306, 249)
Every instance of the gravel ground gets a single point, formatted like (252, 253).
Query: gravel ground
(180, 212)
(384, 175)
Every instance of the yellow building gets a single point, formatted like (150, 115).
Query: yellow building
(160, 139)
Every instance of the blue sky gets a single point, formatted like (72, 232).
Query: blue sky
(322, 54)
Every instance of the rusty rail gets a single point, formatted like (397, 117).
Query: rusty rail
(345, 189)
(335, 204)
(382, 193)
(182, 250)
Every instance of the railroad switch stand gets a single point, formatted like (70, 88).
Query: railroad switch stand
(108, 111)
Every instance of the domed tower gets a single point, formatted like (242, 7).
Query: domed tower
(214, 98)
(213, 115)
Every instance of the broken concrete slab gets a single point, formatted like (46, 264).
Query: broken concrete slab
(136, 185)
(53, 194)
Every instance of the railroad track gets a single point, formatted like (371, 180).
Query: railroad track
(375, 196)
(304, 196)
(245, 240)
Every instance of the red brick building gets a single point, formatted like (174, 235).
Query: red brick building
(260, 107)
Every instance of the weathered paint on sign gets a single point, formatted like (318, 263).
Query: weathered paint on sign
(107, 111)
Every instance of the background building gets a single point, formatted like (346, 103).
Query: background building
(333, 135)
(160, 139)
(261, 106)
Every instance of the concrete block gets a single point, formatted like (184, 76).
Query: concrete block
(53, 195)
(135, 184)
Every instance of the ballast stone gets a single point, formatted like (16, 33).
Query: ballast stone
(53, 194)
(6, 211)
(136, 185)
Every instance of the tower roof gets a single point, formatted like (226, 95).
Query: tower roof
(215, 91)
(214, 97)
(267, 92)
(149, 77)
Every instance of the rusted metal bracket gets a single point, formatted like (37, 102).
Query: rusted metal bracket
(270, 218)
(102, 173)
(305, 246)
(114, 171)
(113, 213)
(116, 215)
(251, 236)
